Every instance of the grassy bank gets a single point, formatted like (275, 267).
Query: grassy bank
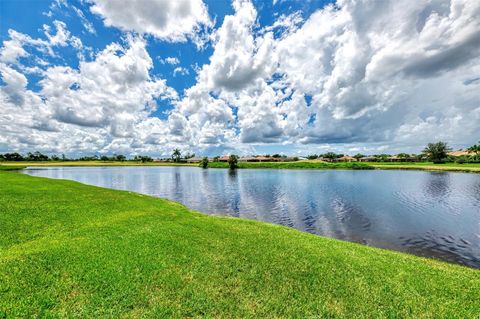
(93, 163)
(72, 250)
(313, 164)
(467, 167)
(294, 165)
(273, 165)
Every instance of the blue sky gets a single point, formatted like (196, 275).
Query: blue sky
(294, 77)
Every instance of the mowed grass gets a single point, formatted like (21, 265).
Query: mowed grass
(294, 165)
(72, 250)
(467, 167)
(94, 163)
(272, 165)
(306, 164)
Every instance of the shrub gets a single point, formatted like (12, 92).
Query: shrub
(437, 152)
(232, 161)
(204, 162)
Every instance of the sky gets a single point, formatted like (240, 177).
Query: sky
(86, 77)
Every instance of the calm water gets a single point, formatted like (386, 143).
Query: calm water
(425, 213)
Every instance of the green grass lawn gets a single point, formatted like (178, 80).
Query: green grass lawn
(277, 165)
(467, 167)
(312, 164)
(72, 250)
(93, 163)
(294, 165)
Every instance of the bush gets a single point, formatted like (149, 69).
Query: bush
(232, 161)
(437, 152)
(204, 162)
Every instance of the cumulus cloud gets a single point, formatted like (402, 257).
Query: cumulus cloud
(164, 19)
(15, 47)
(239, 58)
(366, 64)
(368, 72)
(105, 99)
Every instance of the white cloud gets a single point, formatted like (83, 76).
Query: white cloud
(14, 48)
(86, 24)
(367, 64)
(180, 70)
(98, 106)
(338, 58)
(239, 58)
(62, 35)
(170, 60)
(164, 19)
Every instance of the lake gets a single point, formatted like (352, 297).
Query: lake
(433, 214)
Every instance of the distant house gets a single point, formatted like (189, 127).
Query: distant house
(346, 158)
(459, 153)
(248, 159)
(258, 159)
(224, 158)
(194, 160)
(368, 159)
(395, 158)
(265, 159)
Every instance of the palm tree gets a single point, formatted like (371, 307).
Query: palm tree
(475, 149)
(437, 152)
(176, 155)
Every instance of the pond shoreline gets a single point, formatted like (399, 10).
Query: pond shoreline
(449, 167)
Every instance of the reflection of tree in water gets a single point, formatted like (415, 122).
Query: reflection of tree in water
(437, 184)
(235, 199)
(178, 186)
(233, 175)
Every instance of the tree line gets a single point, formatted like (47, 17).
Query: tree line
(435, 152)
(39, 157)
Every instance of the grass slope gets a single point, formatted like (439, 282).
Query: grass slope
(277, 165)
(308, 164)
(94, 163)
(72, 250)
(294, 165)
(467, 167)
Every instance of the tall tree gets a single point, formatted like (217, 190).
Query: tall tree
(358, 156)
(176, 155)
(232, 161)
(330, 155)
(437, 152)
